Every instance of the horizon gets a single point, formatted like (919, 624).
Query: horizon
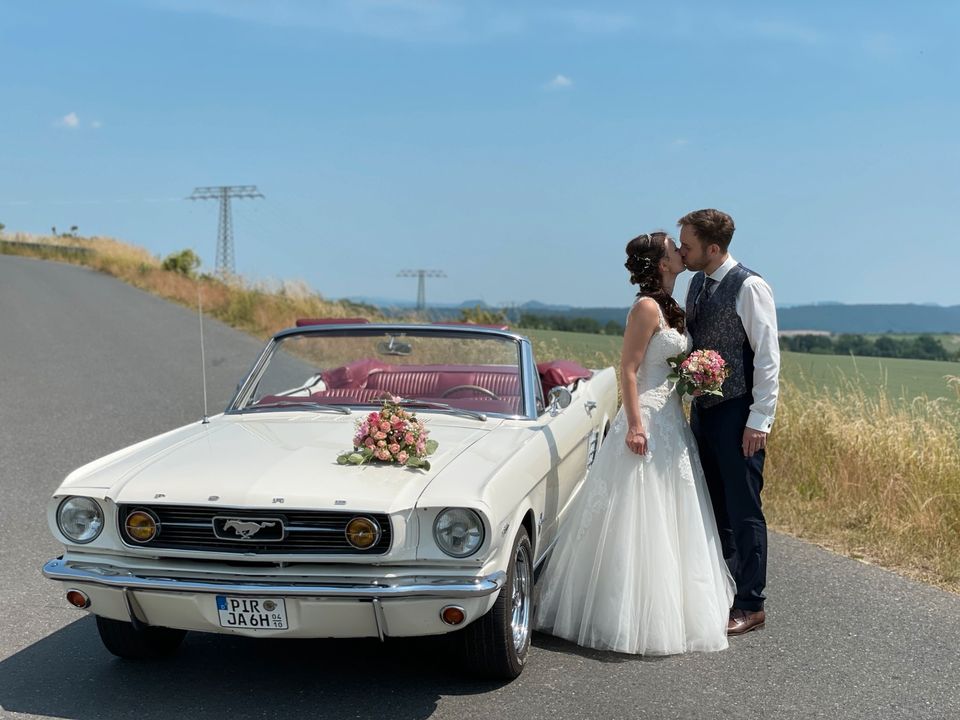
(515, 146)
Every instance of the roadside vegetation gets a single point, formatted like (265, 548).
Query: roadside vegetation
(865, 453)
(257, 308)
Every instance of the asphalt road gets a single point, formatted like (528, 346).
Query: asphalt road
(89, 365)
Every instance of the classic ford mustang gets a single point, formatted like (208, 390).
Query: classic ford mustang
(247, 523)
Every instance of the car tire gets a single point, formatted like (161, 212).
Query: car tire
(496, 645)
(124, 640)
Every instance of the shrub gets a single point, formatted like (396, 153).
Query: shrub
(184, 262)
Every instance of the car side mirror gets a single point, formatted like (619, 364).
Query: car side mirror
(559, 398)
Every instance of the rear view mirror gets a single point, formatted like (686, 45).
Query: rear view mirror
(394, 347)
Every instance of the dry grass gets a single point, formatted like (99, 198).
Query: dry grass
(873, 478)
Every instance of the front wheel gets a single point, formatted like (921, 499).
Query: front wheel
(496, 645)
(124, 640)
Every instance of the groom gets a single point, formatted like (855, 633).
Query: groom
(730, 309)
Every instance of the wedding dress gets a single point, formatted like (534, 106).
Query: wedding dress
(639, 568)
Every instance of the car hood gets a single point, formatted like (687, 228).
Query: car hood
(272, 461)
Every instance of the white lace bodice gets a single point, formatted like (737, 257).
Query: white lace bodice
(652, 383)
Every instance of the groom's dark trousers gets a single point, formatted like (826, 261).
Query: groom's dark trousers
(735, 483)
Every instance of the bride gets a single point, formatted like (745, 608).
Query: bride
(639, 568)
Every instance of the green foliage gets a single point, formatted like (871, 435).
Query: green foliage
(919, 347)
(184, 262)
(483, 316)
(563, 323)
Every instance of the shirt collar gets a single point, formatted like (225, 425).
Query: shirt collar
(721, 272)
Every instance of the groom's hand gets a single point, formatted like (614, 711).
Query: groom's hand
(753, 440)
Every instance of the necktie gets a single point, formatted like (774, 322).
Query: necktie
(709, 286)
(706, 291)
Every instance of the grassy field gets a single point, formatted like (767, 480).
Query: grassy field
(894, 377)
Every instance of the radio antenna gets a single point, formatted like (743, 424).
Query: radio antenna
(203, 357)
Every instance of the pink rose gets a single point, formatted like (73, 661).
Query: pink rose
(381, 443)
(402, 457)
(384, 425)
(380, 436)
(369, 442)
(394, 448)
(409, 439)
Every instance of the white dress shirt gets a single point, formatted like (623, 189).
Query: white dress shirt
(757, 312)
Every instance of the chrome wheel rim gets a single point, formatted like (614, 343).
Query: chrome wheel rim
(522, 585)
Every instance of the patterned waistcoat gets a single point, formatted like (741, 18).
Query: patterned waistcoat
(715, 325)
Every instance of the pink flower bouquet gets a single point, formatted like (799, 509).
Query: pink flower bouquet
(702, 372)
(392, 436)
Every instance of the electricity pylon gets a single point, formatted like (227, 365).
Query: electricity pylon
(421, 285)
(224, 193)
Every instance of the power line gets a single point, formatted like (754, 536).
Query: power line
(224, 193)
(421, 284)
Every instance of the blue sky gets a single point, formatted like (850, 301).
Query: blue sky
(515, 145)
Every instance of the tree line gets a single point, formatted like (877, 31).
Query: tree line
(920, 347)
(569, 324)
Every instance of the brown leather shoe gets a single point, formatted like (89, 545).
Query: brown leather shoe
(743, 621)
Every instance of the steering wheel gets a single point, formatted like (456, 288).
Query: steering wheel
(476, 388)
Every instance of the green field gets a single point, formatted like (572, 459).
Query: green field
(898, 378)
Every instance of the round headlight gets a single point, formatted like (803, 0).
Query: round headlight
(141, 526)
(458, 532)
(362, 532)
(80, 519)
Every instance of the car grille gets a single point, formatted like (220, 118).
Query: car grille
(186, 527)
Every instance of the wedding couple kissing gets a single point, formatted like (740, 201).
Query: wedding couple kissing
(665, 550)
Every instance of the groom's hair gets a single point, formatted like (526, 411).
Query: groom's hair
(712, 227)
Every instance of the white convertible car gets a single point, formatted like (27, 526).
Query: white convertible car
(245, 523)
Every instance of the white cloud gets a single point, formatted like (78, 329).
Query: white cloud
(559, 82)
(70, 120)
(96, 124)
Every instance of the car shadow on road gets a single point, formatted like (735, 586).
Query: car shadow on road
(69, 674)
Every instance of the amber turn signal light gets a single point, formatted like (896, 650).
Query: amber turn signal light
(78, 599)
(141, 526)
(362, 532)
(452, 615)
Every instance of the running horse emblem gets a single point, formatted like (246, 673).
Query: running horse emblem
(246, 529)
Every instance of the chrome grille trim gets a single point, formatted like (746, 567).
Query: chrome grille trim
(315, 532)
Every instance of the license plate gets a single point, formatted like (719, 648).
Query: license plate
(252, 613)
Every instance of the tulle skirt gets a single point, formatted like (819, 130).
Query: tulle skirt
(639, 568)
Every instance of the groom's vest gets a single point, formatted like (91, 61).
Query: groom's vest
(714, 325)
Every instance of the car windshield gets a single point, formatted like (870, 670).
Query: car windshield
(324, 371)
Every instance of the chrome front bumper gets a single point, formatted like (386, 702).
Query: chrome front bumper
(383, 588)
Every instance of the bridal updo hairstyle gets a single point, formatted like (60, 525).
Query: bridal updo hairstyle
(644, 253)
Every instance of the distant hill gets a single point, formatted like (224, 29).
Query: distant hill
(837, 318)
(830, 317)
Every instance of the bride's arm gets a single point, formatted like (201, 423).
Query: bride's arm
(642, 322)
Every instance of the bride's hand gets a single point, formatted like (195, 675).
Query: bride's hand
(637, 440)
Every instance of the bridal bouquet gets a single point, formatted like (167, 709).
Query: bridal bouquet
(702, 372)
(392, 435)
